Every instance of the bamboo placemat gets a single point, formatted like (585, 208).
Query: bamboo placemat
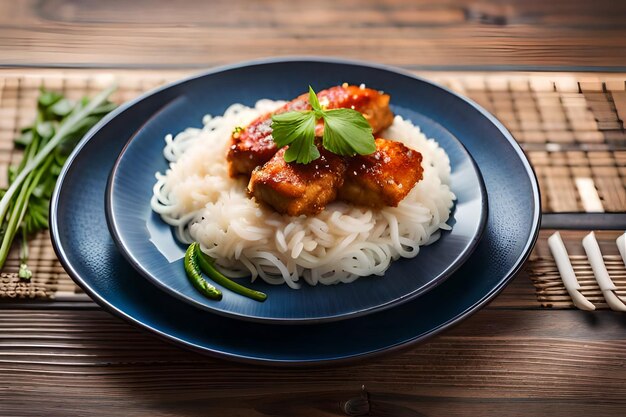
(570, 125)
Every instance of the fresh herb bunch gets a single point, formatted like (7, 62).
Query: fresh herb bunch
(346, 132)
(59, 125)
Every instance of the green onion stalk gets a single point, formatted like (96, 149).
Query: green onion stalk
(59, 125)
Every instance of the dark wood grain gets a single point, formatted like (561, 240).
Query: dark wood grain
(197, 33)
(74, 362)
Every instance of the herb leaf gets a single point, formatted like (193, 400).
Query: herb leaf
(346, 132)
(297, 130)
(302, 151)
(315, 104)
(59, 125)
(48, 98)
(62, 107)
(292, 126)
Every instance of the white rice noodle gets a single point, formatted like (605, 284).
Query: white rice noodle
(342, 243)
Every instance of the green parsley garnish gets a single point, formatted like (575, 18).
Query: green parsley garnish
(237, 131)
(346, 132)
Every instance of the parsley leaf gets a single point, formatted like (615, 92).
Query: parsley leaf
(315, 104)
(293, 126)
(346, 132)
(302, 151)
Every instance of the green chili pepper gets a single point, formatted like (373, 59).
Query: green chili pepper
(206, 265)
(195, 275)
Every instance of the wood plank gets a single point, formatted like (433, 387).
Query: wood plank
(308, 404)
(75, 362)
(454, 33)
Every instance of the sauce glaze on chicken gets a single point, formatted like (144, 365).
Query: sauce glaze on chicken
(253, 146)
(296, 189)
(380, 179)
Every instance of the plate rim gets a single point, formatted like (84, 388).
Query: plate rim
(488, 296)
(128, 253)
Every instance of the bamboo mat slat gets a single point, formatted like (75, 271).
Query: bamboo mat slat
(570, 125)
(545, 276)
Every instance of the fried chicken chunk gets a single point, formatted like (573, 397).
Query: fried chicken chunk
(297, 189)
(373, 105)
(253, 145)
(383, 178)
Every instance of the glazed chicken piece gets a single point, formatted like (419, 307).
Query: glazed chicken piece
(373, 105)
(383, 178)
(295, 189)
(253, 146)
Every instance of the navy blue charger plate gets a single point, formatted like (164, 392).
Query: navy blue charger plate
(85, 247)
(151, 247)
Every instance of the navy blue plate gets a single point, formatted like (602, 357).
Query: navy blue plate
(149, 245)
(87, 251)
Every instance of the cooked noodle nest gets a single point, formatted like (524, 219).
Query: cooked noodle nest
(342, 243)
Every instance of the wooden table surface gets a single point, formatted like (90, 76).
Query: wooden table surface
(412, 33)
(513, 358)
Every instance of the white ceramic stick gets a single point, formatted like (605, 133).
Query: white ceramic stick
(557, 247)
(592, 249)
